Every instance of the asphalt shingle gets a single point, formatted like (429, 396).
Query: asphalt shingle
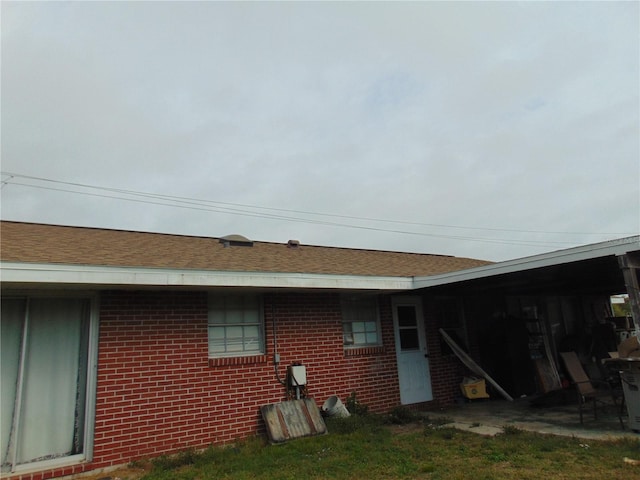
(40, 243)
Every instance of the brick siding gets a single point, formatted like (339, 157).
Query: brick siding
(159, 393)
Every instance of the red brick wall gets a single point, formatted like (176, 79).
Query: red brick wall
(158, 393)
(446, 369)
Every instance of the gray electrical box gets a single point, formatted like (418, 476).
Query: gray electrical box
(297, 375)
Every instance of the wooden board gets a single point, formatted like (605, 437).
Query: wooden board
(293, 419)
(547, 375)
(473, 366)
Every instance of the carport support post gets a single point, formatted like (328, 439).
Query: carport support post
(629, 267)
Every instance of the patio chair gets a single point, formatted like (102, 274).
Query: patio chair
(591, 393)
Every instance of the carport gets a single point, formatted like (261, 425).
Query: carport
(515, 316)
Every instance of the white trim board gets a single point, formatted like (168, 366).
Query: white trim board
(89, 275)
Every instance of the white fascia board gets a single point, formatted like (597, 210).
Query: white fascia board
(559, 257)
(91, 276)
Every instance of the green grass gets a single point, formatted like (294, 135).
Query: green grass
(367, 447)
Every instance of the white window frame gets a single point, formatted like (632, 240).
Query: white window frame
(226, 321)
(364, 311)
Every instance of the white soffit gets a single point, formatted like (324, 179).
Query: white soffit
(88, 275)
(559, 257)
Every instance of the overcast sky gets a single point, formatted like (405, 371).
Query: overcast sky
(487, 130)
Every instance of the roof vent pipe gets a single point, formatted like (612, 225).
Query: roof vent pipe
(293, 243)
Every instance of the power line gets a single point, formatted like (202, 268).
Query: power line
(240, 209)
(304, 212)
(300, 220)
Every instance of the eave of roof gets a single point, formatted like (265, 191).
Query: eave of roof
(33, 274)
(616, 247)
(43, 255)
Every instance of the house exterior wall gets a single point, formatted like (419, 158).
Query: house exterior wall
(446, 369)
(159, 393)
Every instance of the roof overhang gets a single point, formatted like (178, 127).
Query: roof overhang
(33, 275)
(596, 260)
(576, 255)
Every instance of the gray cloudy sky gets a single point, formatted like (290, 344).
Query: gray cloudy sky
(489, 130)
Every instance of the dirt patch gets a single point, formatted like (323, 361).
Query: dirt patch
(407, 428)
(122, 473)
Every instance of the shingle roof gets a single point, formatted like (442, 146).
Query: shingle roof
(39, 243)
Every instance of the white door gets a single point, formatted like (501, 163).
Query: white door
(411, 350)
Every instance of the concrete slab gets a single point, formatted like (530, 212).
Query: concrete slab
(486, 430)
(489, 417)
